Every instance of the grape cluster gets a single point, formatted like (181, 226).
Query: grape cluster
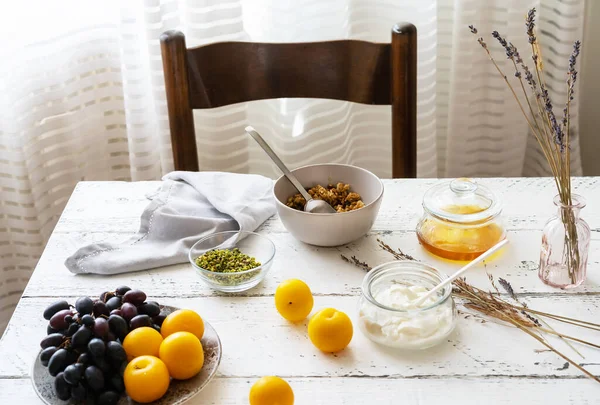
(83, 347)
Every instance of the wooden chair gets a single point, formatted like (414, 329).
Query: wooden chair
(227, 73)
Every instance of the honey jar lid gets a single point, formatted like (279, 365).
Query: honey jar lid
(462, 201)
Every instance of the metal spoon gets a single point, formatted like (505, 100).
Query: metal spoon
(312, 205)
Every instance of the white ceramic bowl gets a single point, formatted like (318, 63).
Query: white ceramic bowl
(330, 229)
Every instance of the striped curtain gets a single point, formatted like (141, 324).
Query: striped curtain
(82, 98)
(481, 129)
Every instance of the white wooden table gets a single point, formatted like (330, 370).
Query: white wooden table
(481, 362)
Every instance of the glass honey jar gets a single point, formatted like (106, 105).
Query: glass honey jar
(461, 220)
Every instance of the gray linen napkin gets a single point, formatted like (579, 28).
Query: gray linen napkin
(188, 206)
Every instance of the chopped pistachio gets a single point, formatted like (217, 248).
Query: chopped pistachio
(223, 261)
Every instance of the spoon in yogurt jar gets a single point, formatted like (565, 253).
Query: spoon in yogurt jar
(454, 276)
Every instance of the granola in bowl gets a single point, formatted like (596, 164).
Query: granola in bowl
(338, 196)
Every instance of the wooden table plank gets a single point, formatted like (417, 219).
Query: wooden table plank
(116, 206)
(328, 391)
(321, 268)
(258, 341)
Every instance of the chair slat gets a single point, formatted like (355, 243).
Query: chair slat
(226, 73)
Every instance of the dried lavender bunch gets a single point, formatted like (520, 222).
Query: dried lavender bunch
(572, 73)
(553, 135)
(353, 260)
(571, 79)
(511, 292)
(507, 287)
(530, 24)
(492, 304)
(528, 75)
(398, 255)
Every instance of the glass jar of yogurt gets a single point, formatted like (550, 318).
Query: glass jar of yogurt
(388, 313)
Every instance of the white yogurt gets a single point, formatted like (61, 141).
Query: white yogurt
(410, 327)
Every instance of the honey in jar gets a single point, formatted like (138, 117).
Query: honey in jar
(461, 220)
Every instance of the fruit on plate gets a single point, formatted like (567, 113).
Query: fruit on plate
(84, 347)
(183, 320)
(271, 391)
(183, 354)
(330, 330)
(293, 300)
(146, 379)
(144, 341)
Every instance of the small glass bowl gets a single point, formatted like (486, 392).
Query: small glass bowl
(250, 243)
(411, 329)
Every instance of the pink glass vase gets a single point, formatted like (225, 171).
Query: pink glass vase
(565, 245)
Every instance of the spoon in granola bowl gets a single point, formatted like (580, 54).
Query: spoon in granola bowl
(311, 205)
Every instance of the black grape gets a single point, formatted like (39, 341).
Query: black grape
(118, 326)
(74, 327)
(129, 311)
(81, 337)
(139, 321)
(97, 348)
(63, 391)
(106, 295)
(108, 398)
(149, 308)
(73, 373)
(116, 312)
(72, 356)
(115, 365)
(69, 319)
(58, 361)
(156, 327)
(46, 354)
(94, 378)
(100, 327)
(78, 392)
(58, 319)
(159, 319)
(54, 339)
(84, 305)
(87, 320)
(136, 297)
(110, 337)
(100, 309)
(84, 358)
(122, 368)
(122, 290)
(116, 381)
(115, 352)
(50, 330)
(102, 364)
(114, 303)
(54, 308)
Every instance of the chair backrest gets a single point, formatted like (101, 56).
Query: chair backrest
(226, 73)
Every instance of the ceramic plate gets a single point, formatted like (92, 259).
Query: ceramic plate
(179, 391)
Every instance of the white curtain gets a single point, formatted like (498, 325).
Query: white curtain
(82, 98)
